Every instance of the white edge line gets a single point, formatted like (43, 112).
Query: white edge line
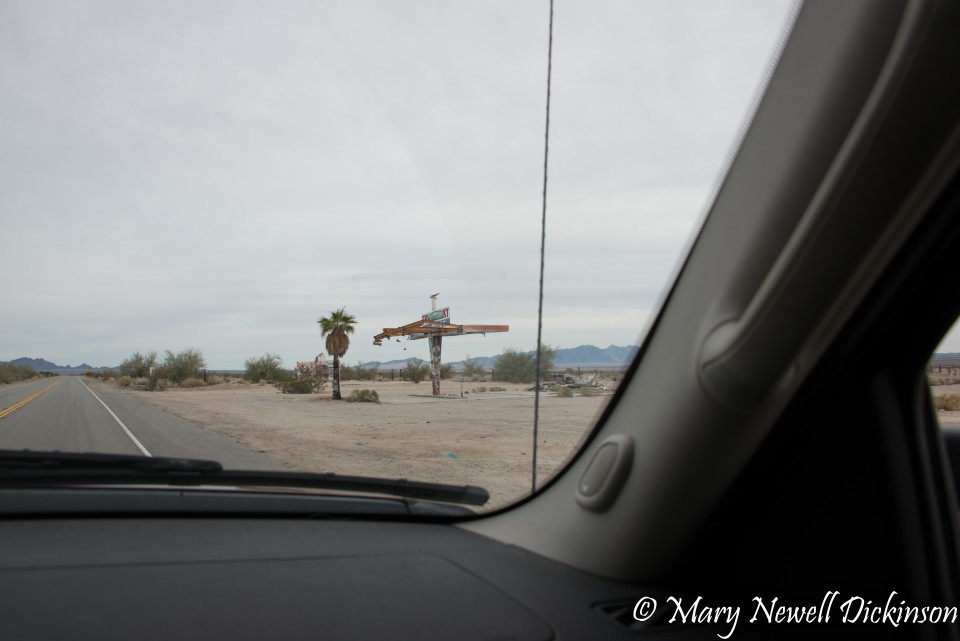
(119, 422)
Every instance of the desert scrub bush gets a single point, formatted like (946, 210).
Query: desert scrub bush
(590, 391)
(368, 373)
(416, 370)
(157, 380)
(15, 373)
(156, 383)
(564, 392)
(446, 371)
(481, 389)
(268, 367)
(125, 381)
(363, 396)
(305, 379)
(514, 366)
(494, 388)
(358, 372)
(104, 374)
(473, 369)
(183, 365)
(296, 386)
(949, 402)
(138, 365)
(193, 382)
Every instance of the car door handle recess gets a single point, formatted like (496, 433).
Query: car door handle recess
(606, 473)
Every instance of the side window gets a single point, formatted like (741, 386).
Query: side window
(943, 374)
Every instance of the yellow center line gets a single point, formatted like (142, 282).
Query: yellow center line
(16, 406)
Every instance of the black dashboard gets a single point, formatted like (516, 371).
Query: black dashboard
(254, 578)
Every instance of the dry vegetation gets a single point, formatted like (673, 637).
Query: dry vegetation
(480, 436)
(478, 439)
(948, 402)
(945, 389)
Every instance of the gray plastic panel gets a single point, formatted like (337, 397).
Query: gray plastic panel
(391, 596)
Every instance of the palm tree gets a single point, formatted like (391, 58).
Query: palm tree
(336, 327)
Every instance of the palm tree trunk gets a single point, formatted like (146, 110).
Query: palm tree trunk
(336, 378)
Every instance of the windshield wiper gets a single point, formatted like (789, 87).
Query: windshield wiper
(33, 462)
(48, 469)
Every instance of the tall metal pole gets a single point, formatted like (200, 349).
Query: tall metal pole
(543, 244)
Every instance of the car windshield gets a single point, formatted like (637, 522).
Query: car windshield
(306, 237)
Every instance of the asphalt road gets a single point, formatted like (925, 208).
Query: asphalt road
(69, 415)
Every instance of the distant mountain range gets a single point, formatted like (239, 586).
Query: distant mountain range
(946, 358)
(43, 365)
(584, 356)
(589, 356)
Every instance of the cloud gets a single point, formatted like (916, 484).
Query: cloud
(220, 174)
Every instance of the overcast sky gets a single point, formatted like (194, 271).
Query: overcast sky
(219, 175)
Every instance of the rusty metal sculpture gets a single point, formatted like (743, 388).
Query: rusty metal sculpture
(434, 326)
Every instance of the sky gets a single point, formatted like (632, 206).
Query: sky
(218, 175)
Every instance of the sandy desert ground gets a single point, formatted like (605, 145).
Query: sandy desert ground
(945, 417)
(484, 438)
